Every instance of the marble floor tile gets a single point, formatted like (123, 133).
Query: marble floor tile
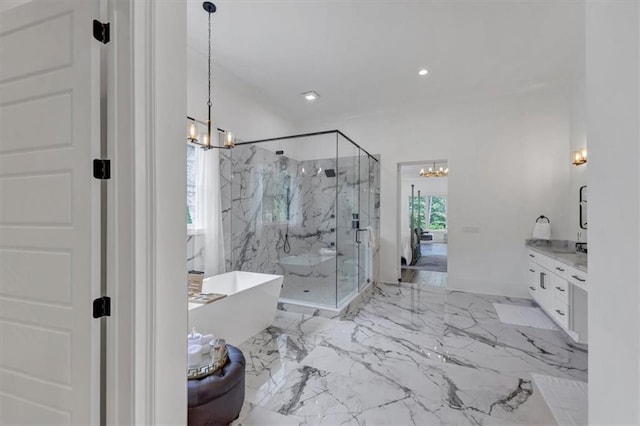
(512, 360)
(323, 397)
(401, 309)
(476, 397)
(255, 415)
(479, 306)
(497, 346)
(411, 354)
(416, 275)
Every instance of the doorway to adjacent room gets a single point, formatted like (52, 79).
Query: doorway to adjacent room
(423, 221)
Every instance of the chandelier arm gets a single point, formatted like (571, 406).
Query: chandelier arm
(209, 87)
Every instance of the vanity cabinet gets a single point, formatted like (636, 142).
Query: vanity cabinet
(553, 285)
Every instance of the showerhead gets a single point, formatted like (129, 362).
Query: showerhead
(330, 172)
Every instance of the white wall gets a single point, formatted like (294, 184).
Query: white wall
(509, 162)
(9, 4)
(613, 116)
(236, 105)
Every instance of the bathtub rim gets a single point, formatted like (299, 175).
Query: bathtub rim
(234, 276)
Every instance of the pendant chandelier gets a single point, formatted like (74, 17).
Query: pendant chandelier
(433, 172)
(223, 139)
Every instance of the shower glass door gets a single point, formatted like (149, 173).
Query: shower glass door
(348, 219)
(362, 237)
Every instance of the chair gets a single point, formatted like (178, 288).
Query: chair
(217, 399)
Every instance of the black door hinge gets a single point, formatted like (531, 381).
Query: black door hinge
(102, 307)
(101, 31)
(102, 169)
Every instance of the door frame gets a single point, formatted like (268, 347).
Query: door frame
(147, 249)
(399, 204)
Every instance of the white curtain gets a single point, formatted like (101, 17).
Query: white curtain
(209, 207)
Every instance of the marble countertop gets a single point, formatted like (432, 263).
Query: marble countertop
(560, 250)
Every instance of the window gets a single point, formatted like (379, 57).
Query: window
(437, 212)
(276, 199)
(431, 210)
(192, 193)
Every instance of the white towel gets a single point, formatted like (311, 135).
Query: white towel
(373, 240)
(194, 355)
(542, 231)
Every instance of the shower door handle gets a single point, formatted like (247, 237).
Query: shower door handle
(358, 241)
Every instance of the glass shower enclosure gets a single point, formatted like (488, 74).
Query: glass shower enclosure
(305, 207)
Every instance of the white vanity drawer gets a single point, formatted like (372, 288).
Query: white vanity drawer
(532, 275)
(560, 269)
(577, 277)
(561, 289)
(561, 313)
(542, 260)
(533, 291)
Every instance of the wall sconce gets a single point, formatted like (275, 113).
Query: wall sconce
(226, 139)
(579, 157)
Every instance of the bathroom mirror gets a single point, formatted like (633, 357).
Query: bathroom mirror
(583, 207)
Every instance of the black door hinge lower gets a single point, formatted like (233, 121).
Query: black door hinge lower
(101, 31)
(102, 307)
(102, 169)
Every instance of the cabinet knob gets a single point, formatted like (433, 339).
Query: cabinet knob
(578, 278)
(558, 311)
(532, 288)
(531, 270)
(559, 288)
(531, 255)
(559, 269)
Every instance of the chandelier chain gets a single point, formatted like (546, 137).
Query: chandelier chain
(209, 101)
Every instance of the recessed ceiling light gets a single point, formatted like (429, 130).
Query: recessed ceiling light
(423, 71)
(310, 96)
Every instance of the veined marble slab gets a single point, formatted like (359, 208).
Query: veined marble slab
(411, 354)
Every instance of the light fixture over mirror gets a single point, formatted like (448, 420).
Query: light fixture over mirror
(224, 139)
(434, 171)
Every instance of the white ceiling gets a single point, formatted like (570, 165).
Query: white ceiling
(364, 56)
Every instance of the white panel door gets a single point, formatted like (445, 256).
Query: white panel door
(49, 213)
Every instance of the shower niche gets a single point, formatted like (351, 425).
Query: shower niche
(288, 205)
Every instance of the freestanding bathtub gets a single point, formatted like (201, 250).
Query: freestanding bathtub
(249, 307)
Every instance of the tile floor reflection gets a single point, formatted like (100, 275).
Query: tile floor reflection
(413, 354)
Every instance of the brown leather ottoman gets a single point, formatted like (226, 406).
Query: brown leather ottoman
(217, 398)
